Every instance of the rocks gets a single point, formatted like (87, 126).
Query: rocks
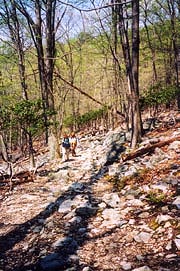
(143, 237)
(86, 211)
(111, 200)
(177, 242)
(52, 262)
(143, 268)
(176, 202)
(76, 217)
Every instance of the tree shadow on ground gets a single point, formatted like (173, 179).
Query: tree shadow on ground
(114, 154)
(61, 257)
(63, 253)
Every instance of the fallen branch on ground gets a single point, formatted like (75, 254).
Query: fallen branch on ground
(149, 149)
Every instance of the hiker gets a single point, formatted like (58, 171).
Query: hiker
(65, 147)
(73, 142)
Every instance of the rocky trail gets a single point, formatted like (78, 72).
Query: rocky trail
(97, 211)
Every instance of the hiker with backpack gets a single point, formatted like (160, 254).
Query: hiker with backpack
(73, 142)
(65, 148)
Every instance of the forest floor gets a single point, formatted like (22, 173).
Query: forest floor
(79, 215)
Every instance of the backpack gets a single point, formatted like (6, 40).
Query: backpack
(66, 143)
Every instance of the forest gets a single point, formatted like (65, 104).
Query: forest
(80, 65)
(109, 72)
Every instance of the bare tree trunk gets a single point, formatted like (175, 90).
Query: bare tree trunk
(178, 63)
(136, 117)
(31, 152)
(131, 58)
(116, 66)
(15, 30)
(176, 46)
(38, 40)
(45, 56)
(50, 49)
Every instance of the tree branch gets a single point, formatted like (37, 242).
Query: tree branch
(78, 89)
(149, 149)
(95, 8)
(86, 94)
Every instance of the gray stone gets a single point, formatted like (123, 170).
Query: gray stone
(160, 186)
(143, 237)
(64, 242)
(163, 218)
(86, 211)
(52, 262)
(177, 243)
(176, 202)
(111, 200)
(143, 268)
(126, 265)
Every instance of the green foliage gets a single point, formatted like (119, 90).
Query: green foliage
(158, 95)
(69, 121)
(153, 224)
(5, 117)
(85, 118)
(84, 37)
(156, 197)
(29, 114)
(118, 184)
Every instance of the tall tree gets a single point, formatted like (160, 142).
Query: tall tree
(44, 40)
(136, 115)
(130, 49)
(12, 19)
(174, 19)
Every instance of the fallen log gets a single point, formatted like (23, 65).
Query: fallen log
(16, 179)
(149, 148)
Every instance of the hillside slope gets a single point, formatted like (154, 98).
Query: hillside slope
(96, 211)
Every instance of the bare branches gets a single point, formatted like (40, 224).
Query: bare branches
(95, 8)
(57, 73)
(78, 89)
